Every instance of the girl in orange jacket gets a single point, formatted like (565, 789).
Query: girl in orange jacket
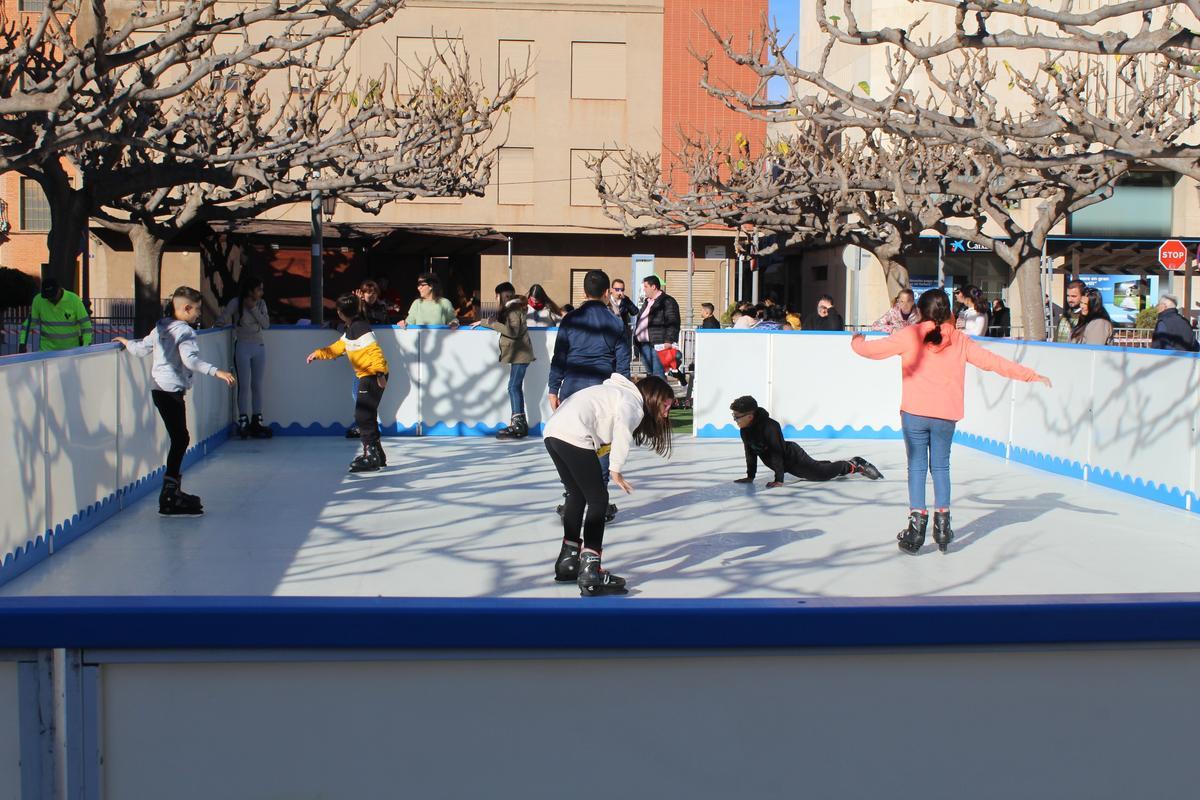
(933, 361)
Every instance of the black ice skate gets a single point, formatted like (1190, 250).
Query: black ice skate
(173, 503)
(611, 513)
(352, 432)
(866, 468)
(941, 530)
(243, 426)
(518, 428)
(594, 581)
(366, 461)
(912, 537)
(258, 430)
(566, 567)
(377, 449)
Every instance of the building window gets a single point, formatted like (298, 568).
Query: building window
(516, 55)
(414, 53)
(598, 70)
(583, 179)
(35, 211)
(33, 6)
(514, 173)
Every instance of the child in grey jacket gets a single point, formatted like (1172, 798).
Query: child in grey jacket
(176, 357)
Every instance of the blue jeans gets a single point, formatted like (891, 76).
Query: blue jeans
(650, 360)
(516, 387)
(927, 443)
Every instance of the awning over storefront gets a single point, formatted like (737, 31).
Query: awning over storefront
(379, 237)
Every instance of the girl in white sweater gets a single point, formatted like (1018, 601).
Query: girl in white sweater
(590, 423)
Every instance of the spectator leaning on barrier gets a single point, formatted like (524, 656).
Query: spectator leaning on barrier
(60, 319)
(1001, 320)
(825, 318)
(1070, 314)
(430, 308)
(248, 314)
(1173, 331)
(902, 313)
(1092, 325)
(657, 324)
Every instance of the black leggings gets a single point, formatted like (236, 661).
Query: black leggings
(583, 478)
(173, 410)
(366, 407)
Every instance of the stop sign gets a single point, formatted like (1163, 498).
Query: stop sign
(1172, 254)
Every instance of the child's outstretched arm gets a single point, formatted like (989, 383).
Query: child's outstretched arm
(985, 359)
(327, 353)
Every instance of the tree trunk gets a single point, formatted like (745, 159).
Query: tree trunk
(69, 212)
(895, 271)
(1029, 288)
(147, 278)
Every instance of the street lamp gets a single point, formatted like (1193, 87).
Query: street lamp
(322, 206)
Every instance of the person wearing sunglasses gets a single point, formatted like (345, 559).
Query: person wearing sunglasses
(430, 308)
(762, 438)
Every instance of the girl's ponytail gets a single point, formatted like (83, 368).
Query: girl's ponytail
(934, 306)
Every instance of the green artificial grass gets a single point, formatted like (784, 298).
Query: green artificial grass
(681, 421)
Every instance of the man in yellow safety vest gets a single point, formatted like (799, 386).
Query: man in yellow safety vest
(60, 319)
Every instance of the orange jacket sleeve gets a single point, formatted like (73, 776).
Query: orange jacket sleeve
(985, 359)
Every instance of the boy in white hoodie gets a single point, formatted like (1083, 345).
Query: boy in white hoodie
(596, 421)
(176, 357)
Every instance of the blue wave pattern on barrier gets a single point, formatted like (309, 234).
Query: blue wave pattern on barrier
(710, 431)
(1159, 492)
(981, 443)
(1049, 463)
(66, 531)
(337, 429)
(478, 429)
(398, 429)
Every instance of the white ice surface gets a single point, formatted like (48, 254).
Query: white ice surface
(474, 517)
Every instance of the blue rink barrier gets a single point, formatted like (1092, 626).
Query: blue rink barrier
(419, 623)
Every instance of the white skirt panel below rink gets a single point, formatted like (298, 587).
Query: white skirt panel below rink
(473, 517)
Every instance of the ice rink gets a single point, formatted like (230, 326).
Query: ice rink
(473, 517)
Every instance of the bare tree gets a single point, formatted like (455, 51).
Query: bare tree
(85, 75)
(370, 143)
(881, 192)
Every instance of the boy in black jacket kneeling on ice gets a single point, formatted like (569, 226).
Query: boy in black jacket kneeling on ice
(763, 438)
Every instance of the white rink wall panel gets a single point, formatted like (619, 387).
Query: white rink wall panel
(729, 364)
(10, 733)
(213, 400)
(81, 432)
(306, 398)
(23, 521)
(168, 730)
(464, 387)
(1145, 430)
(399, 411)
(142, 445)
(821, 389)
(1051, 427)
(987, 403)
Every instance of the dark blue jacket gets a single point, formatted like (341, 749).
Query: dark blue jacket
(1173, 332)
(591, 346)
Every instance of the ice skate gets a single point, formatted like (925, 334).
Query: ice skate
(865, 468)
(941, 530)
(913, 537)
(566, 567)
(594, 581)
(366, 461)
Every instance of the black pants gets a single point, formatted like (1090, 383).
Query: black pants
(173, 410)
(366, 407)
(583, 478)
(802, 465)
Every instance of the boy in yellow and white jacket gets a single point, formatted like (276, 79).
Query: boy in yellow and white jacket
(359, 346)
